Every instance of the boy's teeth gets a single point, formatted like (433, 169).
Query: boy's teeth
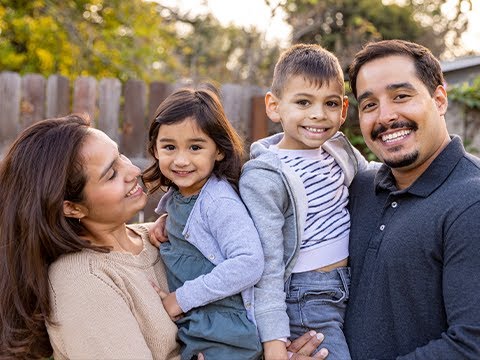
(395, 135)
(316, 130)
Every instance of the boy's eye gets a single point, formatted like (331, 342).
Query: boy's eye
(303, 102)
(332, 103)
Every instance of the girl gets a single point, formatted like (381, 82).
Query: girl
(214, 256)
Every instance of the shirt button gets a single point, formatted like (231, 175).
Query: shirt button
(211, 257)
(187, 235)
(382, 227)
(247, 305)
(394, 204)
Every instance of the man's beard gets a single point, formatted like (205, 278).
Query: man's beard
(407, 160)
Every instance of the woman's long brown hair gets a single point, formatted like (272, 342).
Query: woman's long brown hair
(41, 169)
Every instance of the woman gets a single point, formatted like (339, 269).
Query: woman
(75, 280)
(69, 263)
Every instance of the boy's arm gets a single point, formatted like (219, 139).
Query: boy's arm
(266, 198)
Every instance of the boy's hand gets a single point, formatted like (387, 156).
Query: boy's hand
(275, 350)
(169, 303)
(158, 231)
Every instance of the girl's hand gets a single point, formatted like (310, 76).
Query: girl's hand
(305, 345)
(169, 303)
(158, 231)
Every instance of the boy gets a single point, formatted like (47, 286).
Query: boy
(296, 189)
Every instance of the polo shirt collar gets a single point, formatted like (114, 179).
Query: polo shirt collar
(431, 179)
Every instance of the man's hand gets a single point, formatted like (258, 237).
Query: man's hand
(305, 345)
(158, 231)
(275, 350)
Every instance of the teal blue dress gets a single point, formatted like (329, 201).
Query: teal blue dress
(221, 329)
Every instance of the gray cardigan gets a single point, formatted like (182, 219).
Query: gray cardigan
(275, 197)
(220, 227)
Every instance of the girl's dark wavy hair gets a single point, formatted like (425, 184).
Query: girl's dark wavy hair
(203, 105)
(41, 169)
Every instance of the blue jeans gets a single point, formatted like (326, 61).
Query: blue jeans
(317, 301)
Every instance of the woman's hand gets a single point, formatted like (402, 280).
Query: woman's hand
(158, 231)
(305, 345)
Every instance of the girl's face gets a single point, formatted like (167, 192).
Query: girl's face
(186, 155)
(112, 192)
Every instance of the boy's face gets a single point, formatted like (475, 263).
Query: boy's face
(309, 114)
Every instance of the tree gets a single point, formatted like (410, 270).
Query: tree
(86, 37)
(223, 53)
(343, 26)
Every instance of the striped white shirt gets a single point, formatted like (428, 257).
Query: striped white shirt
(327, 227)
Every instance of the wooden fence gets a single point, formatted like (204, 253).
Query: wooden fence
(123, 111)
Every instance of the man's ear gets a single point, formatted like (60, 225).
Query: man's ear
(441, 99)
(72, 210)
(271, 106)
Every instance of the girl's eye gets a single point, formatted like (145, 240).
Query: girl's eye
(114, 174)
(195, 147)
(169, 147)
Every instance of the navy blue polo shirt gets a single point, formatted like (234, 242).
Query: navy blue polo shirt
(415, 258)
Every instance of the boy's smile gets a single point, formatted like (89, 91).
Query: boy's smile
(309, 114)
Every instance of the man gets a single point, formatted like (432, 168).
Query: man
(415, 232)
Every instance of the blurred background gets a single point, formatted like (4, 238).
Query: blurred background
(117, 60)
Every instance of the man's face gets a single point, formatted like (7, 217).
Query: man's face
(402, 123)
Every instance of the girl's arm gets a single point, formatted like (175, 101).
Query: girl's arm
(233, 230)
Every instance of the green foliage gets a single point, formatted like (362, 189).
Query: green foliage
(468, 97)
(111, 38)
(343, 26)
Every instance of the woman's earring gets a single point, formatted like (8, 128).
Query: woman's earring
(79, 221)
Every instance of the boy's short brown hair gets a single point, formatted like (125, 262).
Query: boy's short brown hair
(312, 61)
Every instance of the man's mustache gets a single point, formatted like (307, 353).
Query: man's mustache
(394, 125)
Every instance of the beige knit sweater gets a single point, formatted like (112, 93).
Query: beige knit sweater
(106, 307)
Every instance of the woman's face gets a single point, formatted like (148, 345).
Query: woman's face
(112, 191)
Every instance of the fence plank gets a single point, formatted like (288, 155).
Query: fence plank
(33, 99)
(58, 96)
(134, 131)
(110, 91)
(10, 91)
(85, 96)
(158, 92)
(236, 100)
(259, 119)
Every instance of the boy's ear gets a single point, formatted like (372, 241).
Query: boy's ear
(72, 210)
(271, 106)
(344, 109)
